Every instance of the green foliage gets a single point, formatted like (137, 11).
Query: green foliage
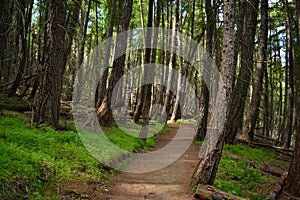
(241, 179)
(34, 159)
(249, 153)
(126, 141)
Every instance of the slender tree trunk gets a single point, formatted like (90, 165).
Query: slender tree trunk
(253, 112)
(239, 35)
(24, 20)
(291, 186)
(104, 112)
(43, 17)
(167, 103)
(47, 100)
(148, 75)
(177, 110)
(71, 31)
(103, 80)
(5, 23)
(81, 48)
(145, 60)
(205, 81)
(237, 102)
(291, 90)
(207, 167)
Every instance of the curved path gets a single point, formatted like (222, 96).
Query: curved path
(169, 183)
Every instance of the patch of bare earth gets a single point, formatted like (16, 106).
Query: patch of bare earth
(171, 182)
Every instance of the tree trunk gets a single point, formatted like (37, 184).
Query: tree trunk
(81, 48)
(148, 75)
(47, 100)
(24, 20)
(145, 60)
(237, 102)
(239, 35)
(5, 23)
(103, 80)
(291, 90)
(208, 165)
(71, 31)
(253, 112)
(177, 110)
(104, 112)
(167, 102)
(292, 184)
(205, 81)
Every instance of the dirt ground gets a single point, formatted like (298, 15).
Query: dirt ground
(171, 182)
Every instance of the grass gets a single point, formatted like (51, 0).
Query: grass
(35, 160)
(241, 179)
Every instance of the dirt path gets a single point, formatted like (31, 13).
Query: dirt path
(171, 182)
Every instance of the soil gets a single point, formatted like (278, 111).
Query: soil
(171, 182)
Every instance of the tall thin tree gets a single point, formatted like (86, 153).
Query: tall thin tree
(207, 167)
(253, 111)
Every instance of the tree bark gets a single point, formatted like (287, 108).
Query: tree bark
(71, 31)
(148, 75)
(47, 100)
(291, 89)
(80, 57)
(205, 81)
(24, 20)
(103, 81)
(208, 192)
(104, 112)
(145, 90)
(237, 102)
(292, 183)
(5, 23)
(207, 167)
(168, 96)
(253, 112)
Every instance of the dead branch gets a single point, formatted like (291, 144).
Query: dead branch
(288, 152)
(19, 108)
(208, 192)
(275, 192)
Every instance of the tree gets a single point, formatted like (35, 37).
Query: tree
(102, 85)
(167, 101)
(291, 186)
(47, 100)
(5, 23)
(24, 21)
(80, 57)
(204, 102)
(207, 167)
(237, 102)
(253, 111)
(290, 76)
(104, 112)
(145, 91)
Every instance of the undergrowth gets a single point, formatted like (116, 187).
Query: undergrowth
(35, 159)
(240, 178)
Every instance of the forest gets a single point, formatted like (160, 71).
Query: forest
(208, 89)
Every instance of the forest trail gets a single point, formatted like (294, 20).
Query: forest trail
(171, 182)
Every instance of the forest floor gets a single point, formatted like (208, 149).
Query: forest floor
(171, 182)
(42, 163)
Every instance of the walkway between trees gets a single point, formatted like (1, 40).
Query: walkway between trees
(171, 182)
